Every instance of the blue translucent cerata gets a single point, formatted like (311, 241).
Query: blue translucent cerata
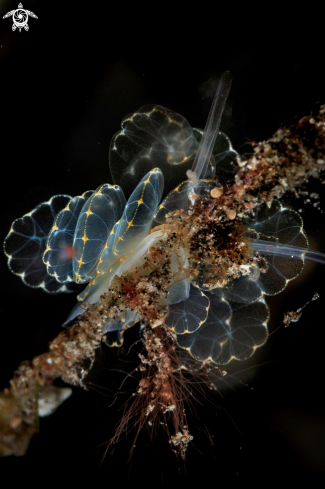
(26, 243)
(97, 218)
(58, 255)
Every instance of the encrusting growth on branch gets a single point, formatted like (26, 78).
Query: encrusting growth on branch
(285, 162)
(281, 164)
(70, 356)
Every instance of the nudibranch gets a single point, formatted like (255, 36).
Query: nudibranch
(192, 269)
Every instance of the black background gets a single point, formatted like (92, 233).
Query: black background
(65, 87)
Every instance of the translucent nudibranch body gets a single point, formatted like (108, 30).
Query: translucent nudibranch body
(221, 255)
(193, 269)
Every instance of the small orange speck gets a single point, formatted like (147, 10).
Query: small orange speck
(216, 193)
(231, 213)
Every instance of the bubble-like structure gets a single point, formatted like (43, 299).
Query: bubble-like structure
(278, 224)
(26, 243)
(232, 331)
(189, 315)
(158, 137)
(136, 220)
(59, 253)
(97, 218)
